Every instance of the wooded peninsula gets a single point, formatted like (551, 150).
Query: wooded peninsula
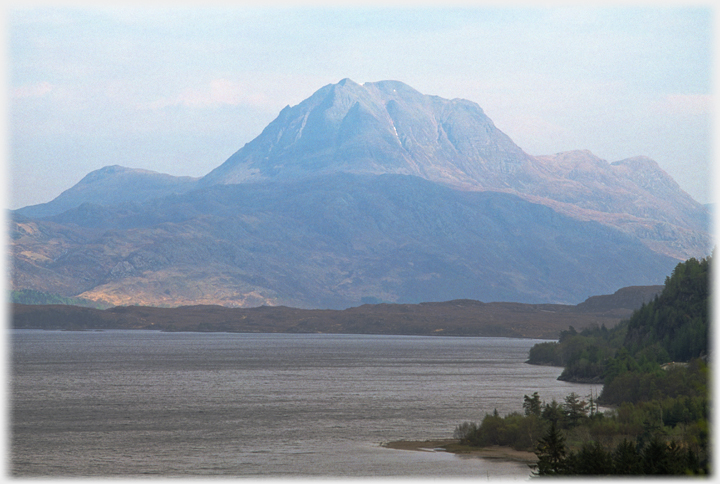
(654, 370)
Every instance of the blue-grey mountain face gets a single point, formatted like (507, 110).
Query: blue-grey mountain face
(376, 128)
(336, 240)
(388, 127)
(365, 192)
(112, 185)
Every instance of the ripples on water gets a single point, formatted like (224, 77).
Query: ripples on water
(124, 403)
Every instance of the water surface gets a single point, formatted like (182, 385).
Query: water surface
(130, 403)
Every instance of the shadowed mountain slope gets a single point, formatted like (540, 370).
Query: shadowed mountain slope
(330, 242)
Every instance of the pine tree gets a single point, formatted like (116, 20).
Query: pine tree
(532, 404)
(552, 412)
(627, 460)
(551, 454)
(593, 460)
(655, 457)
(575, 409)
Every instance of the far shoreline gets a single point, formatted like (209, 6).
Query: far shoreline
(455, 318)
(453, 446)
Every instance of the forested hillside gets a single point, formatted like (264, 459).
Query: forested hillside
(674, 327)
(655, 374)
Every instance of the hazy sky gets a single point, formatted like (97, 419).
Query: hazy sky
(179, 90)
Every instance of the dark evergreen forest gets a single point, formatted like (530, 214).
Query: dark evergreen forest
(654, 370)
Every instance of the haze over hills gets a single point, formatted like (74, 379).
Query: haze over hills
(364, 193)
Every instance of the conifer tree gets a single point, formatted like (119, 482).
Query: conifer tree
(626, 459)
(532, 405)
(551, 453)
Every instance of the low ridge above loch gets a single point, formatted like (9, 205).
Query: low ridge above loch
(364, 193)
(451, 318)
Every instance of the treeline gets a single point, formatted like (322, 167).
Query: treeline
(676, 426)
(654, 370)
(523, 431)
(675, 326)
(582, 354)
(656, 458)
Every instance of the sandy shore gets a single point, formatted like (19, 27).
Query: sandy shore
(451, 445)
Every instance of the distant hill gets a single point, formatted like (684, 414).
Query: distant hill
(627, 297)
(112, 185)
(449, 318)
(370, 192)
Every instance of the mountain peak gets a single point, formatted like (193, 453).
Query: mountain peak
(118, 170)
(378, 127)
(347, 80)
(647, 174)
(387, 127)
(639, 162)
(395, 87)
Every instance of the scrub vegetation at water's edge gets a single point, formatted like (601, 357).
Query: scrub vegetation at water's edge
(655, 376)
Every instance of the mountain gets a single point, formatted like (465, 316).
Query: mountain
(376, 128)
(112, 185)
(388, 127)
(370, 192)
